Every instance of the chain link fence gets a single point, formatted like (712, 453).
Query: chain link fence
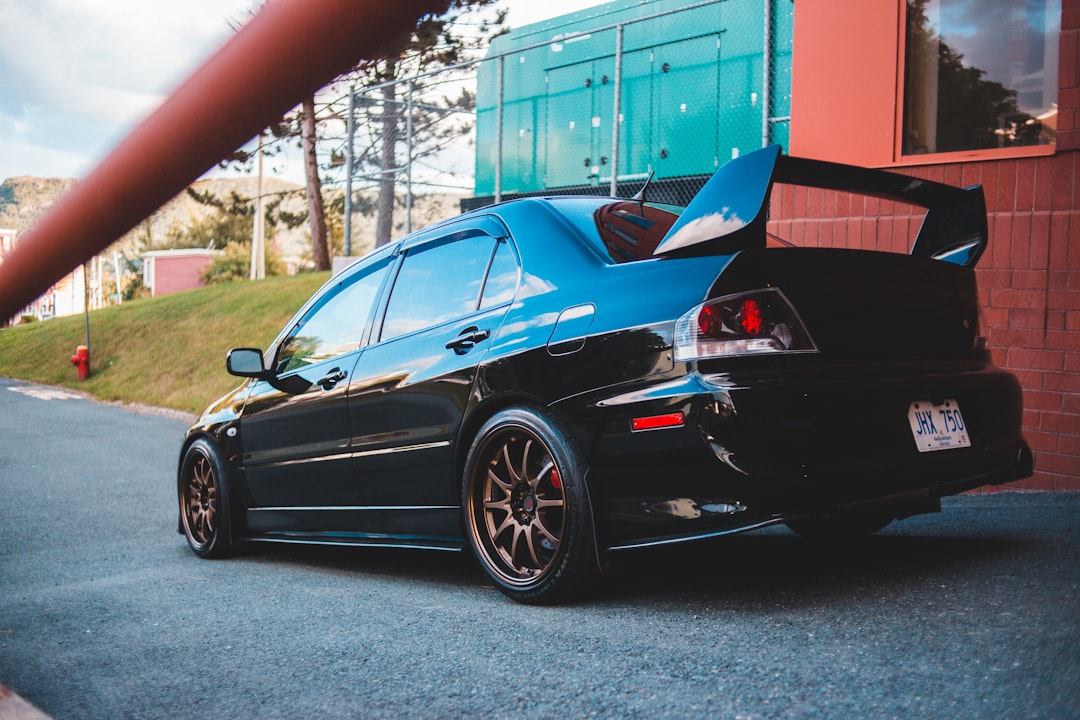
(589, 103)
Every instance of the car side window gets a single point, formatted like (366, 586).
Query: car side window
(436, 283)
(336, 324)
(502, 277)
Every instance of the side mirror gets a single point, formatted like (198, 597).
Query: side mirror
(245, 362)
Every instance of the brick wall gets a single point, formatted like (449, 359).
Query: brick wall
(1069, 77)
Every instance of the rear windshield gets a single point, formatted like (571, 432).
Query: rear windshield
(621, 230)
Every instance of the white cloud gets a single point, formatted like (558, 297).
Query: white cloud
(116, 44)
(17, 151)
(76, 76)
(526, 12)
(80, 74)
(704, 228)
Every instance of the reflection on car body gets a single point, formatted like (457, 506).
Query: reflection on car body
(552, 382)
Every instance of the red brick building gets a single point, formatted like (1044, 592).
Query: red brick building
(862, 93)
(169, 271)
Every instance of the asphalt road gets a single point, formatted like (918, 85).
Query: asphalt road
(105, 613)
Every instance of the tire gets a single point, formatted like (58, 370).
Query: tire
(204, 501)
(526, 508)
(832, 529)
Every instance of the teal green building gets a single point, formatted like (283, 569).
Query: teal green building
(698, 84)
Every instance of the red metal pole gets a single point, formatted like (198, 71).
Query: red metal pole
(288, 51)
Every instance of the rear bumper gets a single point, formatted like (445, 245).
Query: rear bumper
(759, 448)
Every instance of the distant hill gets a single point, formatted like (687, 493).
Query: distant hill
(23, 200)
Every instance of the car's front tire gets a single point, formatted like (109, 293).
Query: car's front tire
(527, 511)
(204, 501)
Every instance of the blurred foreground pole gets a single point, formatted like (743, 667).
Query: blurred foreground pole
(285, 53)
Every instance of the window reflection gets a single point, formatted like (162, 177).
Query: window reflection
(502, 277)
(335, 326)
(980, 74)
(436, 284)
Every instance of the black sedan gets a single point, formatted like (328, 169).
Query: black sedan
(554, 382)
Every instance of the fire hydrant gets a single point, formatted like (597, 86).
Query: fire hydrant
(81, 361)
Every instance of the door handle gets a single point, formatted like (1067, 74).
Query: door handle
(332, 378)
(468, 337)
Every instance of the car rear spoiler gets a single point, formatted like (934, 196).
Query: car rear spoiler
(729, 213)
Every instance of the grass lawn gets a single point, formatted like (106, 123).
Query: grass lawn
(167, 352)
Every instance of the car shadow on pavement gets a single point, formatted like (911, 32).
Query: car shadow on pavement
(770, 566)
(777, 567)
(438, 567)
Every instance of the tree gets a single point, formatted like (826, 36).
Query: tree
(231, 220)
(228, 227)
(437, 42)
(316, 214)
(973, 112)
(948, 104)
(235, 263)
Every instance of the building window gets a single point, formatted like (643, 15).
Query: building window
(980, 74)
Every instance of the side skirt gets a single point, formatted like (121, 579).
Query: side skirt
(433, 527)
(359, 540)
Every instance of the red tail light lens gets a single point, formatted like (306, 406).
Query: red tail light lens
(762, 321)
(709, 321)
(750, 317)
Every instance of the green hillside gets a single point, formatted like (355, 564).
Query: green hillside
(167, 352)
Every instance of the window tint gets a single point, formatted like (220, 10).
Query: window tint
(502, 278)
(437, 283)
(336, 325)
(980, 74)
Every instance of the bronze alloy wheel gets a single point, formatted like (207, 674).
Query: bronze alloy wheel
(526, 508)
(200, 501)
(204, 509)
(519, 509)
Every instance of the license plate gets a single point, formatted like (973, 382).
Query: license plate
(938, 427)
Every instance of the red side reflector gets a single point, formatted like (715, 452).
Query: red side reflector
(655, 422)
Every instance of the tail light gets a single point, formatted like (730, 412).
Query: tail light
(762, 321)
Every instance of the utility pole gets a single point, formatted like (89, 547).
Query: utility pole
(118, 275)
(350, 130)
(86, 304)
(258, 238)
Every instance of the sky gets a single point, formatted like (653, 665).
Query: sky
(76, 76)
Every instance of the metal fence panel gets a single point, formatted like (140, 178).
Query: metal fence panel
(663, 86)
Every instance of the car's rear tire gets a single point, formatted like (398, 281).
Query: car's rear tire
(832, 529)
(204, 501)
(527, 511)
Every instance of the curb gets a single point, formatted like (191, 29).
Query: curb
(13, 707)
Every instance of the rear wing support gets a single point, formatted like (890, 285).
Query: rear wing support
(954, 228)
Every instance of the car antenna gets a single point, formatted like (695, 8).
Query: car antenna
(639, 196)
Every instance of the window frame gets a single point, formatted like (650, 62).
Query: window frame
(847, 98)
(487, 226)
(499, 242)
(953, 156)
(332, 288)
